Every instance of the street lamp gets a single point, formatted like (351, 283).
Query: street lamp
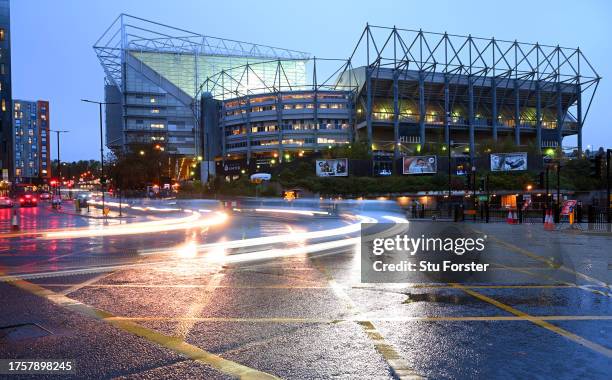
(59, 163)
(101, 144)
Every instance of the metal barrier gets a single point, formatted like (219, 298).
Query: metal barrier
(595, 217)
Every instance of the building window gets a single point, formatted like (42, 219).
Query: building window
(157, 125)
(155, 110)
(3, 104)
(152, 100)
(2, 71)
(2, 34)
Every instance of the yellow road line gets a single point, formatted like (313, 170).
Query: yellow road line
(435, 286)
(190, 286)
(545, 260)
(177, 345)
(542, 323)
(288, 320)
(354, 286)
(84, 284)
(398, 365)
(203, 299)
(582, 287)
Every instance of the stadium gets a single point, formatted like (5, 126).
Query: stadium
(242, 107)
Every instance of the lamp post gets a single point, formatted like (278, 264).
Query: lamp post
(474, 188)
(101, 144)
(59, 163)
(608, 200)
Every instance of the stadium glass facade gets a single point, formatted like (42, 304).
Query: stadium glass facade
(154, 74)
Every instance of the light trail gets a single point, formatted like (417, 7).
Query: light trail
(396, 219)
(285, 238)
(139, 208)
(290, 211)
(281, 252)
(194, 220)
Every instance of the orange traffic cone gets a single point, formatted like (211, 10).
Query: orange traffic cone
(509, 218)
(551, 220)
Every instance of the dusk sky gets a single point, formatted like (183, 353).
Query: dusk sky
(53, 58)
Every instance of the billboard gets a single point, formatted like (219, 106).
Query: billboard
(337, 167)
(506, 162)
(420, 165)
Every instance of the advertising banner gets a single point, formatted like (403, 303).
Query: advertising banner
(420, 165)
(337, 167)
(506, 162)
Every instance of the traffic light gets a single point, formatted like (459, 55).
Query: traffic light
(468, 180)
(483, 184)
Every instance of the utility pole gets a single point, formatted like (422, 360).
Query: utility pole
(448, 146)
(102, 178)
(609, 214)
(474, 189)
(547, 187)
(59, 163)
(558, 189)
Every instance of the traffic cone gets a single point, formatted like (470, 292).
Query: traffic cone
(509, 218)
(551, 221)
(15, 221)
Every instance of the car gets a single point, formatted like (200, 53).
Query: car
(28, 200)
(6, 202)
(44, 196)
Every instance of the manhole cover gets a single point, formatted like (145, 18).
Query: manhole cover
(22, 331)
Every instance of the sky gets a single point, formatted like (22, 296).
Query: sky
(53, 58)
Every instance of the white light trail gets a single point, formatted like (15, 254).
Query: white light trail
(290, 211)
(194, 220)
(285, 238)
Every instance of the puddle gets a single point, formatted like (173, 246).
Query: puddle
(14, 333)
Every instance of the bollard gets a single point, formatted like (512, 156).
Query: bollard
(15, 221)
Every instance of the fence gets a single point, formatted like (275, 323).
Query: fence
(592, 217)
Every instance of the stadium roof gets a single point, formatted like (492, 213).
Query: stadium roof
(134, 33)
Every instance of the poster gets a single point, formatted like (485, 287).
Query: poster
(420, 165)
(506, 162)
(337, 167)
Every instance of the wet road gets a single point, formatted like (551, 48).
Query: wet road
(263, 292)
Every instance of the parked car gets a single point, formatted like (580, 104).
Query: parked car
(44, 196)
(28, 200)
(6, 202)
